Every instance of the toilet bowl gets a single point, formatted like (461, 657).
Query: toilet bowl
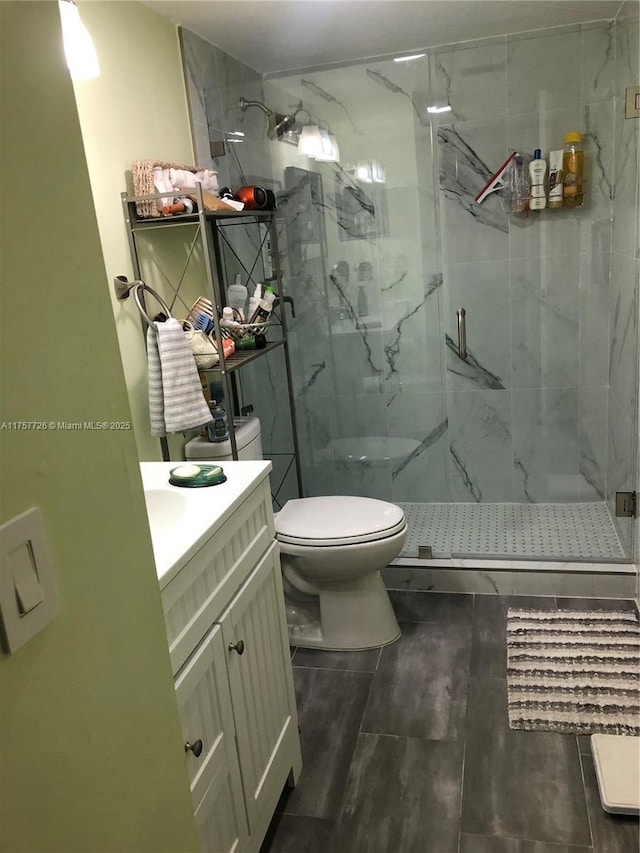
(332, 550)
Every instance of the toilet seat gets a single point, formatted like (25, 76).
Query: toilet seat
(331, 521)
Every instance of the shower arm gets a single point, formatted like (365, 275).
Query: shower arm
(245, 104)
(279, 123)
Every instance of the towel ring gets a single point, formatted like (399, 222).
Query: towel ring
(123, 288)
(141, 286)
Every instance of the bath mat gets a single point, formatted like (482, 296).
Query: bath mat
(573, 671)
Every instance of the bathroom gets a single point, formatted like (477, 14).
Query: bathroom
(585, 407)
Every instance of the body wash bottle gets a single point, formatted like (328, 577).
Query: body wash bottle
(537, 170)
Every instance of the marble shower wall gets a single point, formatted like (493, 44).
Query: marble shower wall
(525, 417)
(527, 411)
(622, 443)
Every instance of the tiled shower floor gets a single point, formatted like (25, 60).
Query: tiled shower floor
(553, 530)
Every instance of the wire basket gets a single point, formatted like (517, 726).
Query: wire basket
(244, 330)
(202, 305)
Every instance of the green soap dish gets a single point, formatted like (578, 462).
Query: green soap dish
(189, 478)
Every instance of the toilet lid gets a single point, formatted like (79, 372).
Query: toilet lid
(337, 521)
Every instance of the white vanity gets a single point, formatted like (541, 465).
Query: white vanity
(219, 572)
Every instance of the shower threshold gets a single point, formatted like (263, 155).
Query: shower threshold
(581, 532)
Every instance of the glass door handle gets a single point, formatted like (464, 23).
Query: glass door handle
(462, 334)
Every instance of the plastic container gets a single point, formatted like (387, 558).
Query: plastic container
(537, 171)
(572, 169)
(237, 298)
(227, 321)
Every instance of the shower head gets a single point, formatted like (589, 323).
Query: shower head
(278, 123)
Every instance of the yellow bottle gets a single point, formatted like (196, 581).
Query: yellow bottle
(572, 170)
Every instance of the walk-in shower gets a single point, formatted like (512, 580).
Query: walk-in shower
(476, 366)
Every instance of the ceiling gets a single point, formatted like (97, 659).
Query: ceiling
(281, 35)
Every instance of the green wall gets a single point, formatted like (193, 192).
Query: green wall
(135, 110)
(91, 750)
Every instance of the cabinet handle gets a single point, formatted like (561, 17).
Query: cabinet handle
(196, 748)
(237, 647)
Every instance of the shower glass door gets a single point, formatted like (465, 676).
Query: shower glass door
(516, 446)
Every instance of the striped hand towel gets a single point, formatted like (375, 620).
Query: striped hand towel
(176, 401)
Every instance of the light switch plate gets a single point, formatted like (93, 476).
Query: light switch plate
(28, 594)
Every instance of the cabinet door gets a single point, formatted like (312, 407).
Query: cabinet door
(262, 689)
(204, 702)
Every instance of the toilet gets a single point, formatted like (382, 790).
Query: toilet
(332, 549)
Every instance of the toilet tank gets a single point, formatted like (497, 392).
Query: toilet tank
(248, 440)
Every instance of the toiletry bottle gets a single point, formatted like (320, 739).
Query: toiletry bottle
(572, 168)
(537, 170)
(555, 178)
(228, 321)
(217, 427)
(237, 297)
(254, 301)
(262, 312)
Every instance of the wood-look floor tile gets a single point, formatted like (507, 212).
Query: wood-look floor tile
(330, 707)
(403, 796)
(544, 847)
(364, 661)
(487, 844)
(433, 607)
(519, 784)
(612, 833)
(500, 844)
(489, 635)
(420, 686)
(295, 834)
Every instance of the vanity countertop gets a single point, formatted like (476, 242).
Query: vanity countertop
(182, 519)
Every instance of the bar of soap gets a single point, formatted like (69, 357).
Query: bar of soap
(185, 472)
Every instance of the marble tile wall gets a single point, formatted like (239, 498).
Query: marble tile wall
(535, 287)
(542, 409)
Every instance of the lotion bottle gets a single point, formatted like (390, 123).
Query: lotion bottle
(237, 297)
(537, 170)
(262, 312)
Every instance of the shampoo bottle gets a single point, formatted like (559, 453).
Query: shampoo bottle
(537, 170)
